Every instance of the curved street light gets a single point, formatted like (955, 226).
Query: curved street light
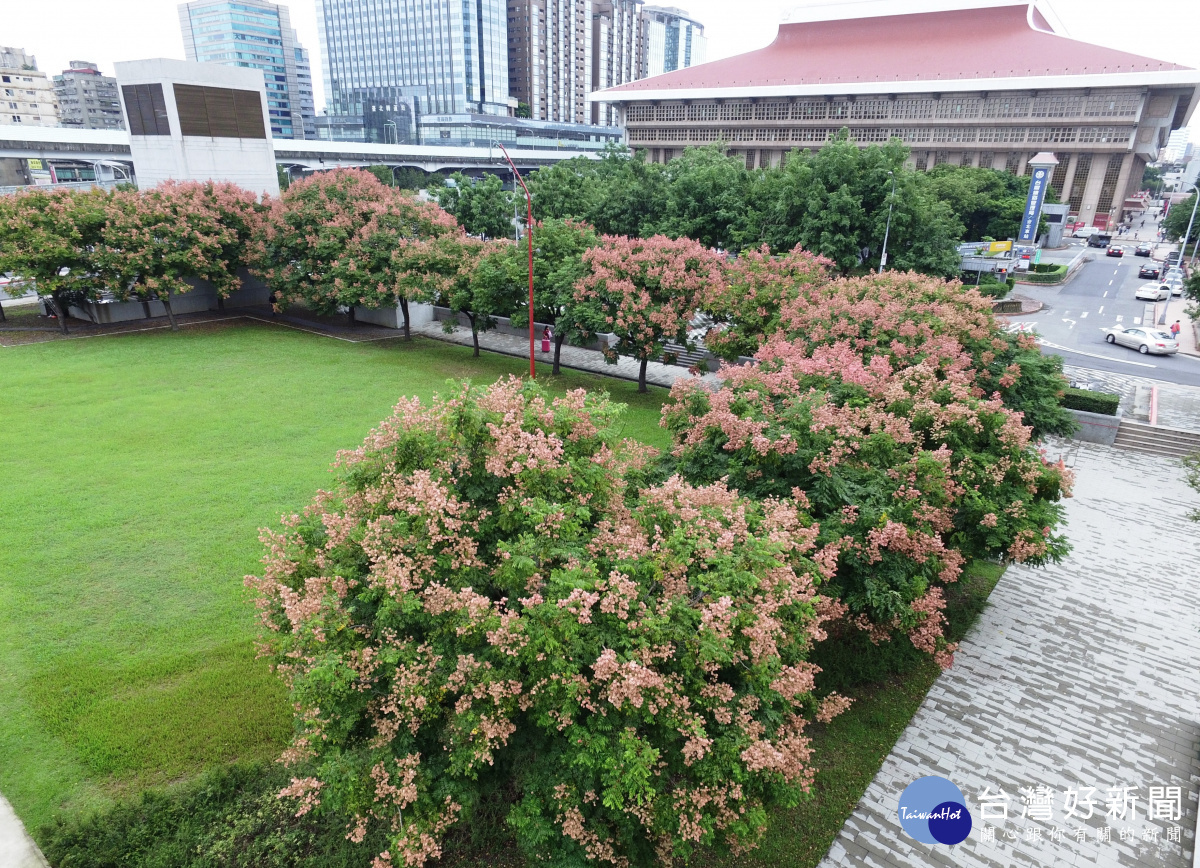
(888, 228)
(529, 235)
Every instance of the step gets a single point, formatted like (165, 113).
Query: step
(1149, 437)
(1156, 439)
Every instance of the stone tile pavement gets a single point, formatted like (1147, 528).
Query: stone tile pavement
(1082, 674)
(17, 849)
(1178, 405)
(578, 358)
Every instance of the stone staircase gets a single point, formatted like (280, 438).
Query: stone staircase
(685, 358)
(1156, 440)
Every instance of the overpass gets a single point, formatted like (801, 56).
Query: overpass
(63, 146)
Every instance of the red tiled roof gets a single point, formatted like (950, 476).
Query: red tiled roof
(997, 42)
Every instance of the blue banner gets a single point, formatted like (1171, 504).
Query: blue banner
(1033, 204)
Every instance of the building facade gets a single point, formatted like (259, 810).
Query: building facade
(87, 99)
(26, 96)
(254, 34)
(550, 58)
(616, 50)
(670, 39)
(1016, 87)
(388, 63)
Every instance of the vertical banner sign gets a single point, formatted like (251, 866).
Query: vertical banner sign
(1033, 205)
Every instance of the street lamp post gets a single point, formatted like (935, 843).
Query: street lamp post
(529, 235)
(887, 229)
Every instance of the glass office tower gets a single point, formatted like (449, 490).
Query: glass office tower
(388, 63)
(257, 35)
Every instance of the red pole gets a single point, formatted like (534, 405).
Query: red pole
(529, 233)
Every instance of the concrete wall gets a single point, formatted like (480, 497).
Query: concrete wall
(392, 318)
(249, 163)
(201, 297)
(1096, 427)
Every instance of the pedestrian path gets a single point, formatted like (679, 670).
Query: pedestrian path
(577, 358)
(1178, 405)
(17, 849)
(1079, 677)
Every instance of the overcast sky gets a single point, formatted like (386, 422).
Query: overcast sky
(113, 30)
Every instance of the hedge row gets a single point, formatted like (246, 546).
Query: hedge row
(1091, 402)
(1055, 274)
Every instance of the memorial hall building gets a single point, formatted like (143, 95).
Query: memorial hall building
(990, 85)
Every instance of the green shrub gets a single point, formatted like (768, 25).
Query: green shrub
(229, 818)
(1091, 402)
(1045, 274)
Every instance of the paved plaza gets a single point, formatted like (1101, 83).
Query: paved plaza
(1080, 675)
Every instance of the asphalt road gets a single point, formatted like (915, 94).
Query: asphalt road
(1100, 296)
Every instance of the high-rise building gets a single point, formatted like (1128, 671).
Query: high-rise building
(1176, 143)
(550, 58)
(26, 95)
(254, 34)
(304, 87)
(616, 50)
(87, 99)
(387, 63)
(671, 40)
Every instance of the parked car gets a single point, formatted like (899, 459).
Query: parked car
(1174, 272)
(1176, 286)
(1115, 250)
(1150, 271)
(1144, 339)
(1143, 250)
(1153, 292)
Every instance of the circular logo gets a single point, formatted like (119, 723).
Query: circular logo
(933, 811)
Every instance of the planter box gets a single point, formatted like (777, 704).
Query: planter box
(1095, 427)
(392, 318)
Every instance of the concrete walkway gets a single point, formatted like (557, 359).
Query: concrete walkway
(577, 358)
(17, 849)
(1080, 675)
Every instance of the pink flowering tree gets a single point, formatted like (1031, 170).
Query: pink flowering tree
(904, 318)
(493, 610)
(748, 306)
(645, 292)
(239, 213)
(156, 241)
(908, 470)
(378, 264)
(310, 228)
(48, 240)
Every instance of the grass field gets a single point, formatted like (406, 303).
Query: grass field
(136, 470)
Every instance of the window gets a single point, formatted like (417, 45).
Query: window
(1059, 177)
(810, 110)
(1012, 162)
(1006, 107)
(1108, 188)
(958, 107)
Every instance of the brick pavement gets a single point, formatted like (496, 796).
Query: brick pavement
(1082, 674)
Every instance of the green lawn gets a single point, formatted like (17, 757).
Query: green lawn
(136, 470)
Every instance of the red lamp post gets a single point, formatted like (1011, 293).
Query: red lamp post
(529, 234)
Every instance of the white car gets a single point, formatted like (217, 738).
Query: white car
(1144, 339)
(1153, 292)
(1176, 286)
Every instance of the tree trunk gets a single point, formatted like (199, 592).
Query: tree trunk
(558, 342)
(166, 300)
(59, 311)
(642, 377)
(474, 333)
(350, 314)
(221, 303)
(404, 311)
(3, 318)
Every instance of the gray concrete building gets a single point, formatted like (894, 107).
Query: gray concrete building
(1017, 86)
(87, 99)
(26, 95)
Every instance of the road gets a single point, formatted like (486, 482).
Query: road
(1100, 296)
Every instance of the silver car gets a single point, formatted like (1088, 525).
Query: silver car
(1145, 339)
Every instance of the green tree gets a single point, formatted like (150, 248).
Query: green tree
(558, 266)
(1175, 224)
(1152, 179)
(523, 110)
(481, 207)
(706, 197)
(49, 240)
(466, 275)
(384, 174)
